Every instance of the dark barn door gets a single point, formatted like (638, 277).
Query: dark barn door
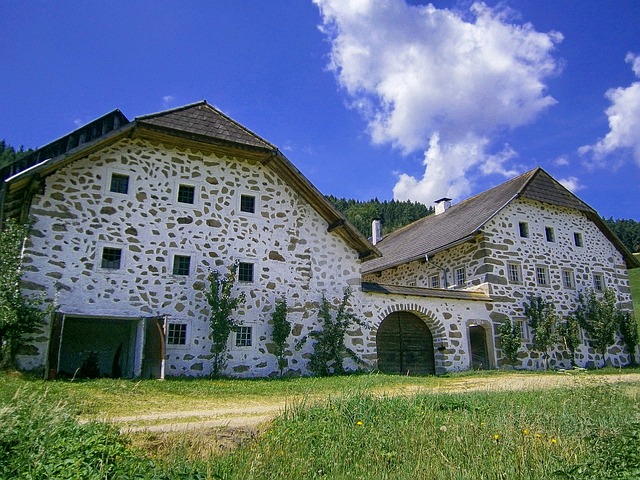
(405, 345)
(479, 352)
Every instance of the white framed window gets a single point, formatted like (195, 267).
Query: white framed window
(542, 276)
(514, 272)
(550, 234)
(248, 204)
(460, 275)
(244, 336)
(246, 272)
(181, 265)
(598, 282)
(568, 278)
(434, 281)
(118, 181)
(176, 334)
(525, 335)
(523, 229)
(577, 239)
(110, 258)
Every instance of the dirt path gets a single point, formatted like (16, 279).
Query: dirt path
(249, 417)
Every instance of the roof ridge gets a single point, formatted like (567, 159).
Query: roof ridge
(170, 110)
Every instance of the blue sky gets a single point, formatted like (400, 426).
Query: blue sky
(383, 98)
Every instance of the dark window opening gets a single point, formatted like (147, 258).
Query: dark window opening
(181, 265)
(119, 183)
(245, 272)
(186, 194)
(248, 204)
(111, 258)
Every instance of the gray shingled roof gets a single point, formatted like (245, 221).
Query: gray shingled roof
(461, 222)
(203, 120)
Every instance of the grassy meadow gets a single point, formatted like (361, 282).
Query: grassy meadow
(357, 427)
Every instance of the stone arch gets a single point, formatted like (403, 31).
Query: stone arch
(424, 335)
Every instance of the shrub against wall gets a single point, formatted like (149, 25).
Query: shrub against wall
(19, 315)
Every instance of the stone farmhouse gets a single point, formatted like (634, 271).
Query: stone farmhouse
(128, 217)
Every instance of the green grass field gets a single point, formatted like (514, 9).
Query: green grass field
(348, 429)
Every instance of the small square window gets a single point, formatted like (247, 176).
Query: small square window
(245, 272)
(187, 194)
(177, 334)
(119, 183)
(181, 265)
(514, 272)
(243, 336)
(461, 276)
(598, 282)
(568, 280)
(434, 281)
(542, 276)
(248, 203)
(524, 229)
(577, 239)
(111, 258)
(550, 234)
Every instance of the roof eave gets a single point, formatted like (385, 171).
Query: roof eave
(426, 254)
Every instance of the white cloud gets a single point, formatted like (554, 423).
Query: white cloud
(571, 183)
(167, 100)
(561, 161)
(624, 123)
(417, 73)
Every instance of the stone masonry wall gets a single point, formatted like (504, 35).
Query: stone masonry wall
(486, 260)
(286, 240)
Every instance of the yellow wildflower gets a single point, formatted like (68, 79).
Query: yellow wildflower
(359, 422)
(525, 431)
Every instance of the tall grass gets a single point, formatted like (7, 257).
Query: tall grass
(588, 431)
(462, 436)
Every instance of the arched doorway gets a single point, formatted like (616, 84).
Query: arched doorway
(405, 345)
(479, 350)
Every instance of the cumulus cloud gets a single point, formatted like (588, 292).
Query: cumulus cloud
(624, 122)
(571, 183)
(432, 79)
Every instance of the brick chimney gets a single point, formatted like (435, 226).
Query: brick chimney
(442, 205)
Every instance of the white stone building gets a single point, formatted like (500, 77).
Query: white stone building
(128, 218)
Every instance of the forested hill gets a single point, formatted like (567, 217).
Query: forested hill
(392, 213)
(628, 231)
(8, 154)
(398, 214)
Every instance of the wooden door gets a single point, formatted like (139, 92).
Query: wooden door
(479, 352)
(405, 345)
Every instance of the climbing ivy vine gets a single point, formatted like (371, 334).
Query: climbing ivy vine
(222, 305)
